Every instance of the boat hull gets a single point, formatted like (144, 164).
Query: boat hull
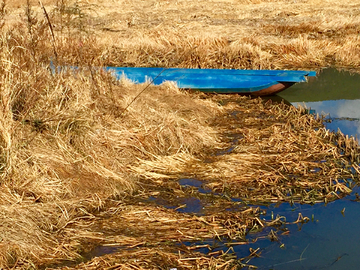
(226, 81)
(274, 89)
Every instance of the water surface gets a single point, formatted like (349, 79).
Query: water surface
(332, 93)
(331, 240)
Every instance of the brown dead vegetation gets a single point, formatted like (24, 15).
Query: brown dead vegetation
(292, 157)
(213, 34)
(77, 167)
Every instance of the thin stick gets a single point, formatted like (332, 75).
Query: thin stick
(51, 30)
(302, 253)
(142, 91)
(297, 260)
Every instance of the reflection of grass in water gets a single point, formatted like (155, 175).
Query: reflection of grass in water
(317, 267)
(344, 119)
(293, 261)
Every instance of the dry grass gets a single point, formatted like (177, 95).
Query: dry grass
(148, 237)
(70, 151)
(215, 34)
(67, 144)
(228, 34)
(283, 153)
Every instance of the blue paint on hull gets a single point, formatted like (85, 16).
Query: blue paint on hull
(213, 80)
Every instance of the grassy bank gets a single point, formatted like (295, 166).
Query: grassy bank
(217, 34)
(78, 164)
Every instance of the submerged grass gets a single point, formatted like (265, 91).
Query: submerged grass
(78, 165)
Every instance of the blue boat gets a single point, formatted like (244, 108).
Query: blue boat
(225, 81)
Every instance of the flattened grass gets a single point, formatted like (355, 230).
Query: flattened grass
(283, 154)
(67, 145)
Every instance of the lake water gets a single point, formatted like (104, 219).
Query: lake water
(331, 240)
(334, 93)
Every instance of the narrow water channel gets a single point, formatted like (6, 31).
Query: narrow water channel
(331, 240)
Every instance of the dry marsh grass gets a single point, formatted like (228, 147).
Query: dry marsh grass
(77, 162)
(214, 34)
(67, 145)
(292, 157)
(231, 34)
(149, 237)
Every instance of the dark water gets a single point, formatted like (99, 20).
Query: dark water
(331, 240)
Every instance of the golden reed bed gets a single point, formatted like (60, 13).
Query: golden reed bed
(78, 166)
